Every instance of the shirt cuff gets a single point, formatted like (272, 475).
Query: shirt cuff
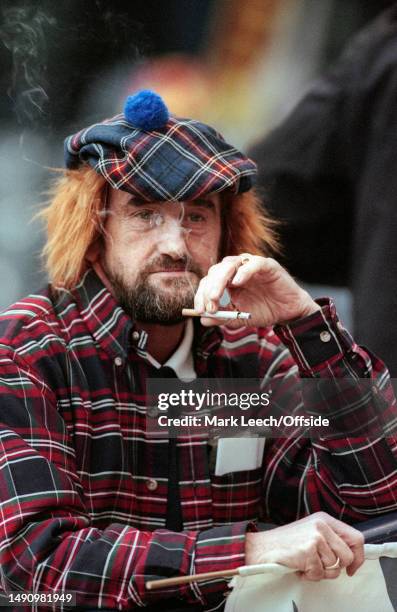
(219, 548)
(318, 340)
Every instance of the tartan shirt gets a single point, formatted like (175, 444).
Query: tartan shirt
(83, 490)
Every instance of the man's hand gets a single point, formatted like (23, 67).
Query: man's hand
(309, 545)
(259, 285)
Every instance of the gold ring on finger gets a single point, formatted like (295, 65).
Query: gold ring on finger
(336, 565)
(245, 258)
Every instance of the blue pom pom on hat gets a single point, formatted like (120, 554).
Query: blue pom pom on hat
(146, 110)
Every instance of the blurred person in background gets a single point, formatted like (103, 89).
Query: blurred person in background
(328, 172)
(154, 214)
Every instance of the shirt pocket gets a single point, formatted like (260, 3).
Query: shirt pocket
(236, 496)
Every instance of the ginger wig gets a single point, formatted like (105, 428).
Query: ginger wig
(75, 216)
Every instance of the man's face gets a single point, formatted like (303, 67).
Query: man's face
(155, 253)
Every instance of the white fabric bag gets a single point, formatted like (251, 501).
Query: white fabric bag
(280, 589)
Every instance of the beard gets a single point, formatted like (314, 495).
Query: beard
(148, 303)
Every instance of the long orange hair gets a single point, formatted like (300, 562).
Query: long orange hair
(75, 214)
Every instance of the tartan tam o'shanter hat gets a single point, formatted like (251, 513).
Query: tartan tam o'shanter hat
(158, 157)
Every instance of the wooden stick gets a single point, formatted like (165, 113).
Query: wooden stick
(152, 585)
(243, 570)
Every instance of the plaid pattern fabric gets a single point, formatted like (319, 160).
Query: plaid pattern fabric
(83, 490)
(184, 160)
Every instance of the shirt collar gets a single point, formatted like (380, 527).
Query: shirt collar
(106, 320)
(182, 360)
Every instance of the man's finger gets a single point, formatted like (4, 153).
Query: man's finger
(332, 574)
(246, 270)
(340, 548)
(314, 569)
(199, 297)
(213, 285)
(327, 555)
(218, 277)
(353, 538)
(252, 266)
(359, 558)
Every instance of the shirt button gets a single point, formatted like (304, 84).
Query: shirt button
(118, 361)
(325, 336)
(152, 412)
(135, 335)
(151, 484)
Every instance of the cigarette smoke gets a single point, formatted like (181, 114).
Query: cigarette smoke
(24, 33)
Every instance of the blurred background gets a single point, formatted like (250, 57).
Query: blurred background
(239, 65)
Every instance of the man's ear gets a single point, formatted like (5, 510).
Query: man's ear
(94, 251)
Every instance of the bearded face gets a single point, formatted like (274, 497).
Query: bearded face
(156, 253)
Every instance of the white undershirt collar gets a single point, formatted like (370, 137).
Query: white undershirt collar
(182, 360)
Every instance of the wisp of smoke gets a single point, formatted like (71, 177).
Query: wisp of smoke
(23, 32)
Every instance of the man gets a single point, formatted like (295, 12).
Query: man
(328, 173)
(155, 214)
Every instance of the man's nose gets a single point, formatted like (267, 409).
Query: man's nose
(171, 238)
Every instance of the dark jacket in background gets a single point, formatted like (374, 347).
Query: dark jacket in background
(330, 172)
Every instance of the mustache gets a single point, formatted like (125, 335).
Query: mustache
(167, 264)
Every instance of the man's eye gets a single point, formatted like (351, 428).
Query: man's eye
(196, 218)
(144, 215)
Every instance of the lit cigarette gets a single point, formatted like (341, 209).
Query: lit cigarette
(220, 314)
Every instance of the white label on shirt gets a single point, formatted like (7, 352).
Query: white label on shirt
(237, 454)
